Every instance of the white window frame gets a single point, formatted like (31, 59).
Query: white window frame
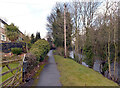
(3, 38)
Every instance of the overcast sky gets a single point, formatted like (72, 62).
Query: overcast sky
(28, 15)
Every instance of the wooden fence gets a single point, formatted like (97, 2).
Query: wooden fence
(11, 76)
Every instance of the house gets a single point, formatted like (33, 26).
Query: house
(3, 37)
(21, 36)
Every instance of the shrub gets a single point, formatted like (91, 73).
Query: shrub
(31, 61)
(60, 51)
(29, 45)
(16, 50)
(88, 56)
(40, 49)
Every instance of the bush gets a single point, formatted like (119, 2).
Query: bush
(60, 51)
(16, 50)
(40, 49)
(88, 56)
(31, 61)
(29, 45)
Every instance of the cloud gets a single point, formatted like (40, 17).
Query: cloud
(28, 15)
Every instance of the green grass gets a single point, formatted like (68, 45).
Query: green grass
(74, 74)
(11, 65)
(8, 75)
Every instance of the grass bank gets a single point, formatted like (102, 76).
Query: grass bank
(74, 74)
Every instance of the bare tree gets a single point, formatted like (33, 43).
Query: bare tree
(75, 21)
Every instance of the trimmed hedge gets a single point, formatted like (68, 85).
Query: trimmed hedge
(40, 49)
(16, 50)
(6, 47)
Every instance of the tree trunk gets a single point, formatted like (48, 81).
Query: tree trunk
(81, 56)
(116, 51)
(76, 34)
(118, 31)
(115, 45)
(115, 61)
(109, 54)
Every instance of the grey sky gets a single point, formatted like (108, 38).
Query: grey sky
(29, 15)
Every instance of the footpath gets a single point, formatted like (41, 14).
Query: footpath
(49, 75)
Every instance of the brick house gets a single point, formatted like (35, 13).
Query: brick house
(3, 38)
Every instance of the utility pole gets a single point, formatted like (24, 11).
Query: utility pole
(64, 30)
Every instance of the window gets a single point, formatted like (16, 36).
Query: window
(20, 39)
(3, 37)
(1, 25)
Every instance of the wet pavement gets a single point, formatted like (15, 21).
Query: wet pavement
(49, 75)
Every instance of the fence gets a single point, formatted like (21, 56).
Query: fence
(11, 72)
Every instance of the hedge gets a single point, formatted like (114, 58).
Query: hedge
(6, 47)
(16, 50)
(40, 49)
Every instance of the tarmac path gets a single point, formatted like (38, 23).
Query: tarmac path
(49, 75)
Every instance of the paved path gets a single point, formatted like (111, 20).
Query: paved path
(49, 75)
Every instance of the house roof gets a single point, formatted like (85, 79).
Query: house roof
(7, 24)
(3, 22)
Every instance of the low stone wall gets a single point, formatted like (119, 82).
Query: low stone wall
(6, 47)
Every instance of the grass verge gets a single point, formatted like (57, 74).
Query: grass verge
(36, 76)
(74, 74)
(35, 73)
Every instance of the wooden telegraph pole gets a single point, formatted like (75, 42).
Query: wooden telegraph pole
(64, 30)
